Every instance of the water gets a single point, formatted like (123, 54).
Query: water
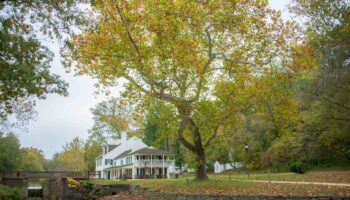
(34, 187)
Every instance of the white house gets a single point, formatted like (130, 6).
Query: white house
(218, 168)
(133, 159)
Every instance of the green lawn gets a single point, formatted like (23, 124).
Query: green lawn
(220, 184)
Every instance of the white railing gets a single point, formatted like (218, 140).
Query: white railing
(154, 161)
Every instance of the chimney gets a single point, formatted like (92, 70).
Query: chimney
(123, 136)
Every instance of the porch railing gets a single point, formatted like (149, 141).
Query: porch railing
(149, 176)
(157, 161)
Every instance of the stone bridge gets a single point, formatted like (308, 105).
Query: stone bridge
(21, 179)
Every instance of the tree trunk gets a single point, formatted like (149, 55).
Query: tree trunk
(196, 147)
(201, 173)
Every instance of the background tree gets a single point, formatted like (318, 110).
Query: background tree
(32, 159)
(10, 152)
(92, 149)
(52, 164)
(159, 126)
(326, 98)
(178, 52)
(110, 119)
(72, 156)
(159, 129)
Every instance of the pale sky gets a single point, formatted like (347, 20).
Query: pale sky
(60, 119)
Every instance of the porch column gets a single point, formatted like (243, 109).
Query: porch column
(174, 170)
(133, 172)
(168, 172)
(163, 166)
(151, 174)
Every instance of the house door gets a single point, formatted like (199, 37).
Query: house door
(108, 174)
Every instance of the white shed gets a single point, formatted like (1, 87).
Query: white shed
(218, 167)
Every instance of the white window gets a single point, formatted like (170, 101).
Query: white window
(128, 159)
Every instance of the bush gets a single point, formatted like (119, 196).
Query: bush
(7, 192)
(88, 184)
(298, 167)
(73, 183)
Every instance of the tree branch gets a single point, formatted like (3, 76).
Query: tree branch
(181, 130)
(128, 32)
(212, 137)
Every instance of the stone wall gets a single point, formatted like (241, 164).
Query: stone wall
(104, 190)
(57, 189)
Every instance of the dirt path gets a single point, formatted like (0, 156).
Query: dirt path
(123, 196)
(298, 182)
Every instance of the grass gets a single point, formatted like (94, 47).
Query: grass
(220, 184)
(313, 176)
(105, 182)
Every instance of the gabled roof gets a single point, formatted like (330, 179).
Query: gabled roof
(125, 153)
(132, 144)
(112, 146)
(151, 151)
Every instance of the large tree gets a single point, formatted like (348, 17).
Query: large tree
(183, 53)
(24, 60)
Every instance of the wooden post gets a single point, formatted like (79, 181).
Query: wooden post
(248, 170)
